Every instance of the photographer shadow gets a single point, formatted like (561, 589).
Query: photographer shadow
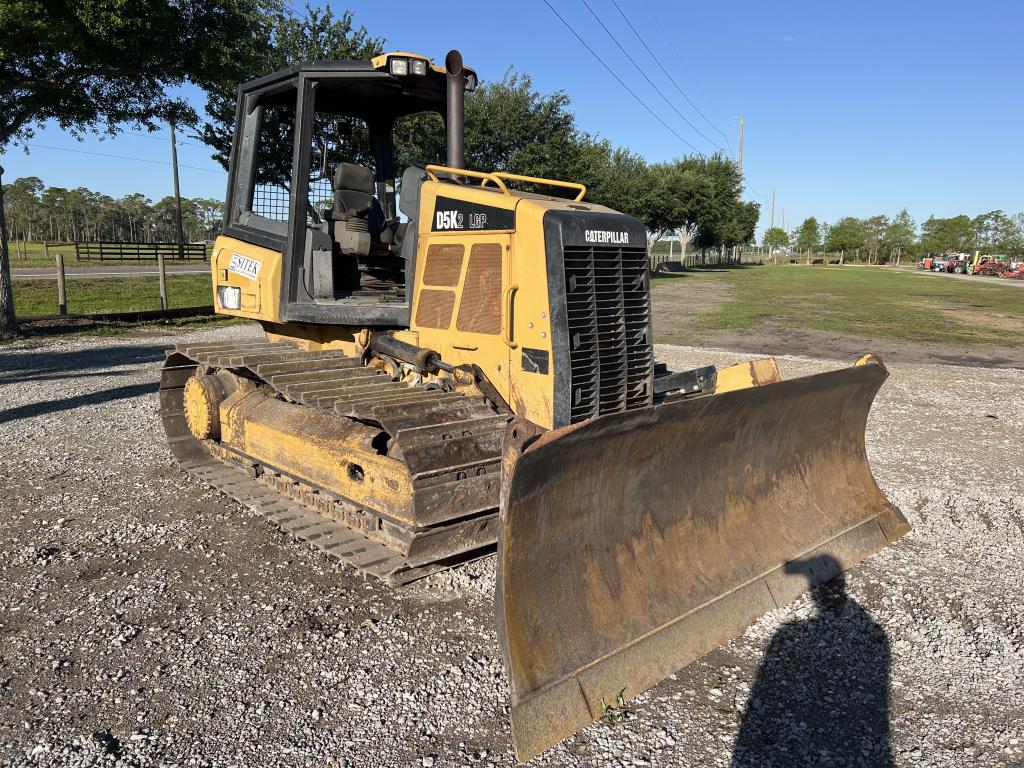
(822, 693)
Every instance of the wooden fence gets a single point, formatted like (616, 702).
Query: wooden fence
(675, 262)
(141, 251)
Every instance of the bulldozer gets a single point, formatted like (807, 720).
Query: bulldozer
(458, 361)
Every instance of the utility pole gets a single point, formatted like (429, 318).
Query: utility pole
(741, 145)
(740, 163)
(773, 209)
(177, 195)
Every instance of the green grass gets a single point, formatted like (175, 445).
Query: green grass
(98, 295)
(860, 301)
(32, 254)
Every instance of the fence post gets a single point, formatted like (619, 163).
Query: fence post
(62, 289)
(163, 279)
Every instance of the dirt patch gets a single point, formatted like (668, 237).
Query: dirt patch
(774, 339)
(673, 309)
(990, 319)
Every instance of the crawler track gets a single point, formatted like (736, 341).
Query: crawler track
(450, 443)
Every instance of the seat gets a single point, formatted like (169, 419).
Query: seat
(354, 203)
(355, 215)
(353, 192)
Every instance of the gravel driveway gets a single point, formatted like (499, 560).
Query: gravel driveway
(147, 620)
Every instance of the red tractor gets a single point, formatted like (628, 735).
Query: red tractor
(989, 268)
(1015, 274)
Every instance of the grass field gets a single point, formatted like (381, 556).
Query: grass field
(98, 295)
(33, 255)
(898, 306)
(816, 311)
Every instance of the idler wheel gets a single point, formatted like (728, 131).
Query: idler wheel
(202, 398)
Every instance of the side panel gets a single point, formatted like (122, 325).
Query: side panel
(535, 360)
(255, 271)
(481, 291)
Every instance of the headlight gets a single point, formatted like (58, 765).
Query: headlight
(229, 297)
(399, 67)
(470, 81)
(419, 66)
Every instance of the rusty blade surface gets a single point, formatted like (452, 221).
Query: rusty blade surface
(635, 543)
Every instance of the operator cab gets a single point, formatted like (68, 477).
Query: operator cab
(313, 176)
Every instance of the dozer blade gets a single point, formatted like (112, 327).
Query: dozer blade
(633, 544)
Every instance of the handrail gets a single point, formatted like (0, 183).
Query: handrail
(497, 176)
(538, 180)
(430, 171)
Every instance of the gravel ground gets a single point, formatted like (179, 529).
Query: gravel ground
(146, 620)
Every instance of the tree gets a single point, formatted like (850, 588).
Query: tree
(512, 127)
(874, 229)
(995, 232)
(808, 237)
(847, 234)
(93, 65)
(776, 236)
(900, 236)
(677, 196)
(8, 323)
(727, 220)
(318, 35)
(952, 234)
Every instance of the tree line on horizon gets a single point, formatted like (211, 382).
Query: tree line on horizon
(36, 212)
(879, 239)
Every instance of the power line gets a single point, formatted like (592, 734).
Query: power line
(165, 138)
(121, 157)
(669, 76)
(619, 79)
(645, 77)
(672, 45)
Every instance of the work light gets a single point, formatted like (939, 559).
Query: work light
(399, 67)
(229, 297)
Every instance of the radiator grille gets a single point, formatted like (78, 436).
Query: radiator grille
(611, 356)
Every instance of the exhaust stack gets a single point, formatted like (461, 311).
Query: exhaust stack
(455, 119)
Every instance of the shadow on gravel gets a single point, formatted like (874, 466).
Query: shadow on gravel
(822, 694)
(69, 403)
(42, 364)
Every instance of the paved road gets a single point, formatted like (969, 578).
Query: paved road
(118, 270)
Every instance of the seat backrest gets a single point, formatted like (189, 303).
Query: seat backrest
(409, 195)
(353, 190)
(409, 204)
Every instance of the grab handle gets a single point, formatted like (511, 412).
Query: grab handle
(506, 316)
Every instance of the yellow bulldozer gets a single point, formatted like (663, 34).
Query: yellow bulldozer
(455, 359)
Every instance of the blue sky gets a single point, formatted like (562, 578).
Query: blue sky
(850, 108)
